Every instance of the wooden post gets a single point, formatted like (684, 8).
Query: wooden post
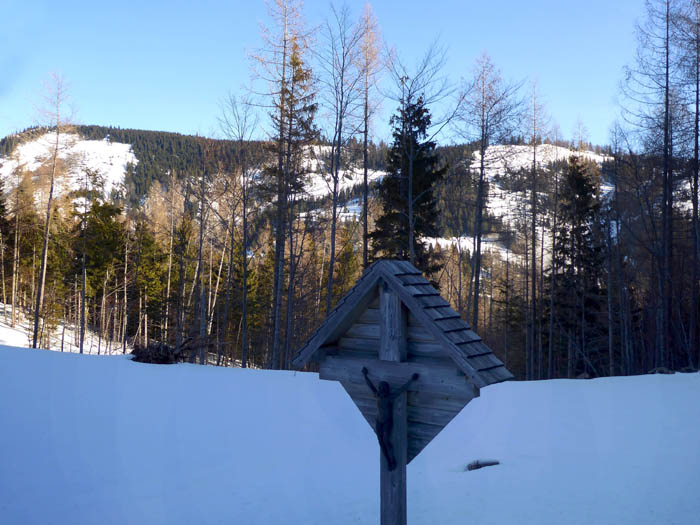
(392, 347)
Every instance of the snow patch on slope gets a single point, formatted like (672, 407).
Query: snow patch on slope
(500, 158)
(465, 244)
(503, 160)
(319, 182)
(108, 158)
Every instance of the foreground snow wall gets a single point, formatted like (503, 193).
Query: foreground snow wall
(87, 439)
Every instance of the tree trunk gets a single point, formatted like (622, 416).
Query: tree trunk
(611, 360)
(198, 281)
(334, 221)
(45, 248)
(15, 269)
(170, 265)
(365, 168)
(82, 297)
(282, 182)
(478, 226)
(2, 267)
(533, 284)
(667, 209)
(212, 302)
(411, 224)
(335, 169)
(179, 307)
(126, 298)
(552, 281)
(224, 322)
(695, 291)
(244, 313)
(507, 313)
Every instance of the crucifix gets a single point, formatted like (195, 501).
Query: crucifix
(408, 361)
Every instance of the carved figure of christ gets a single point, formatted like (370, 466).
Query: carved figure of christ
(385, 413)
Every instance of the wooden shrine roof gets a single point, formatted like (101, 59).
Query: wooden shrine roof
(469, 353)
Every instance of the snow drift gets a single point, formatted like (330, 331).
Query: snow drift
(89, 439)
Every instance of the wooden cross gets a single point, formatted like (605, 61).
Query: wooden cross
(394, 323)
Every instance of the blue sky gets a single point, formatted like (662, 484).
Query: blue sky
(165, 65)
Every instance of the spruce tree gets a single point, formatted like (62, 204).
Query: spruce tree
(410, 149)
(579, 266)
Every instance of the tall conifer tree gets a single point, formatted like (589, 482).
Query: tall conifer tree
(410, 143)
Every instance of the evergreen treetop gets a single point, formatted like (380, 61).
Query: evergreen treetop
(411, 152)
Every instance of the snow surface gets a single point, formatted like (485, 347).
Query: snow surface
(349, 211)
(319, 181)
(465, 244)
(21, 335)
(90, 439)
(321, 184)
(108, 158)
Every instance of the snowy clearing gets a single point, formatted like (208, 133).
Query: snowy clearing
(104, 440)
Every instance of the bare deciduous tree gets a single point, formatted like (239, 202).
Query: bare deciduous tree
(56, 116)
(239, 122)
(649, 92)
(341, 99)
(371, 64)
(491, 111)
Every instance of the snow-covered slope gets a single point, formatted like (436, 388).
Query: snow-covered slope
(465, 244)
(89, 439)
(62, 340)
(108, 158)
(498, 158)
(320, 184)
(502, 160)
(500, 163)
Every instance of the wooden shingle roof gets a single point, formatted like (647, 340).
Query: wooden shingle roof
(466, 349)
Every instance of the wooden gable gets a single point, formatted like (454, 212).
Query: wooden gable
(431, 340)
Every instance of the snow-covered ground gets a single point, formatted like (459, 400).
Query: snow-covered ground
(89, 439)
(348, 211)
(465, 244)
(61, 340)
(108, 158)
(498, 158)
(320, 184)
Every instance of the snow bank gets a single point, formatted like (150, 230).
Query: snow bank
(91, 439)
